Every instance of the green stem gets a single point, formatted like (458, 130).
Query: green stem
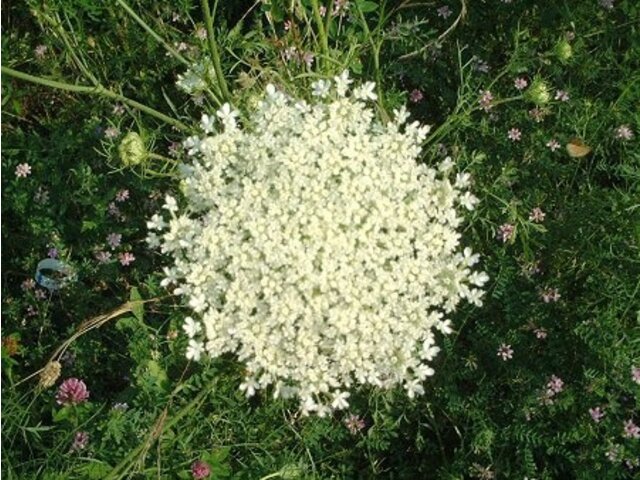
(169, 423)
(98, 90)
(324, 40)
(152, 32)
(215, 54)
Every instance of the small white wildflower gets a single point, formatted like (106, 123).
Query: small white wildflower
(207, 123)
(365, 91)
(194, 350)
(401, 115)
(321, 88)
(191, 327)
(342, 83)
(340, 401)
(156, 223)
(170, 204)
(446, 165)
(227, 116)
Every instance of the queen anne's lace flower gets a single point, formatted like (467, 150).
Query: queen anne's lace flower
(317, 248)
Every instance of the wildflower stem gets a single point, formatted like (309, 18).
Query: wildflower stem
(97, 89)
(152, 32)
(375, 47)
(441, 37)
(324, 40)
(213, 48)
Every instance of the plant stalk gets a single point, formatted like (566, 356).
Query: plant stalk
(213, 48)
(152, 32)
(98, 90)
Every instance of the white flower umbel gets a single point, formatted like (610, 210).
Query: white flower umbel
(317, 248)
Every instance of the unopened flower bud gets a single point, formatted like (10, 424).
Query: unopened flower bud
(539, 93)
(563, 50)
(132, 149)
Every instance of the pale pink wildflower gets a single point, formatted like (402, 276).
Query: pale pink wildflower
(72, 392)
(553, 144)
(486, 100)
(200, 469)
(201, 33)
(562, 96)
(541, 333)
(549, 295)
(537, 114)
(506, 352)
(606, 4)
(111, 132)
(122, 195)
(635, 374)
(596, 414)
(114, 239)
(505, 232)
(308, 58)
(613, 453)
(514, 135)
(42, 195)
(624, 132)
(118, 109)
(80, 441)
(103, 256)
(28, 284)
(444, 12)
(126, 259)
(631, 430)
(537, 215)
(52, 252)
(40, 51)
(113, 210)
(40, 294)
(416, 96)
(520, 83)
(555, 385)
(23, 170)
(287, 25)
(354, 423)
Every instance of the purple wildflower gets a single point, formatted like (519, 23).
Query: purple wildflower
(596, 414)
(200, 469)
(72, 392)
